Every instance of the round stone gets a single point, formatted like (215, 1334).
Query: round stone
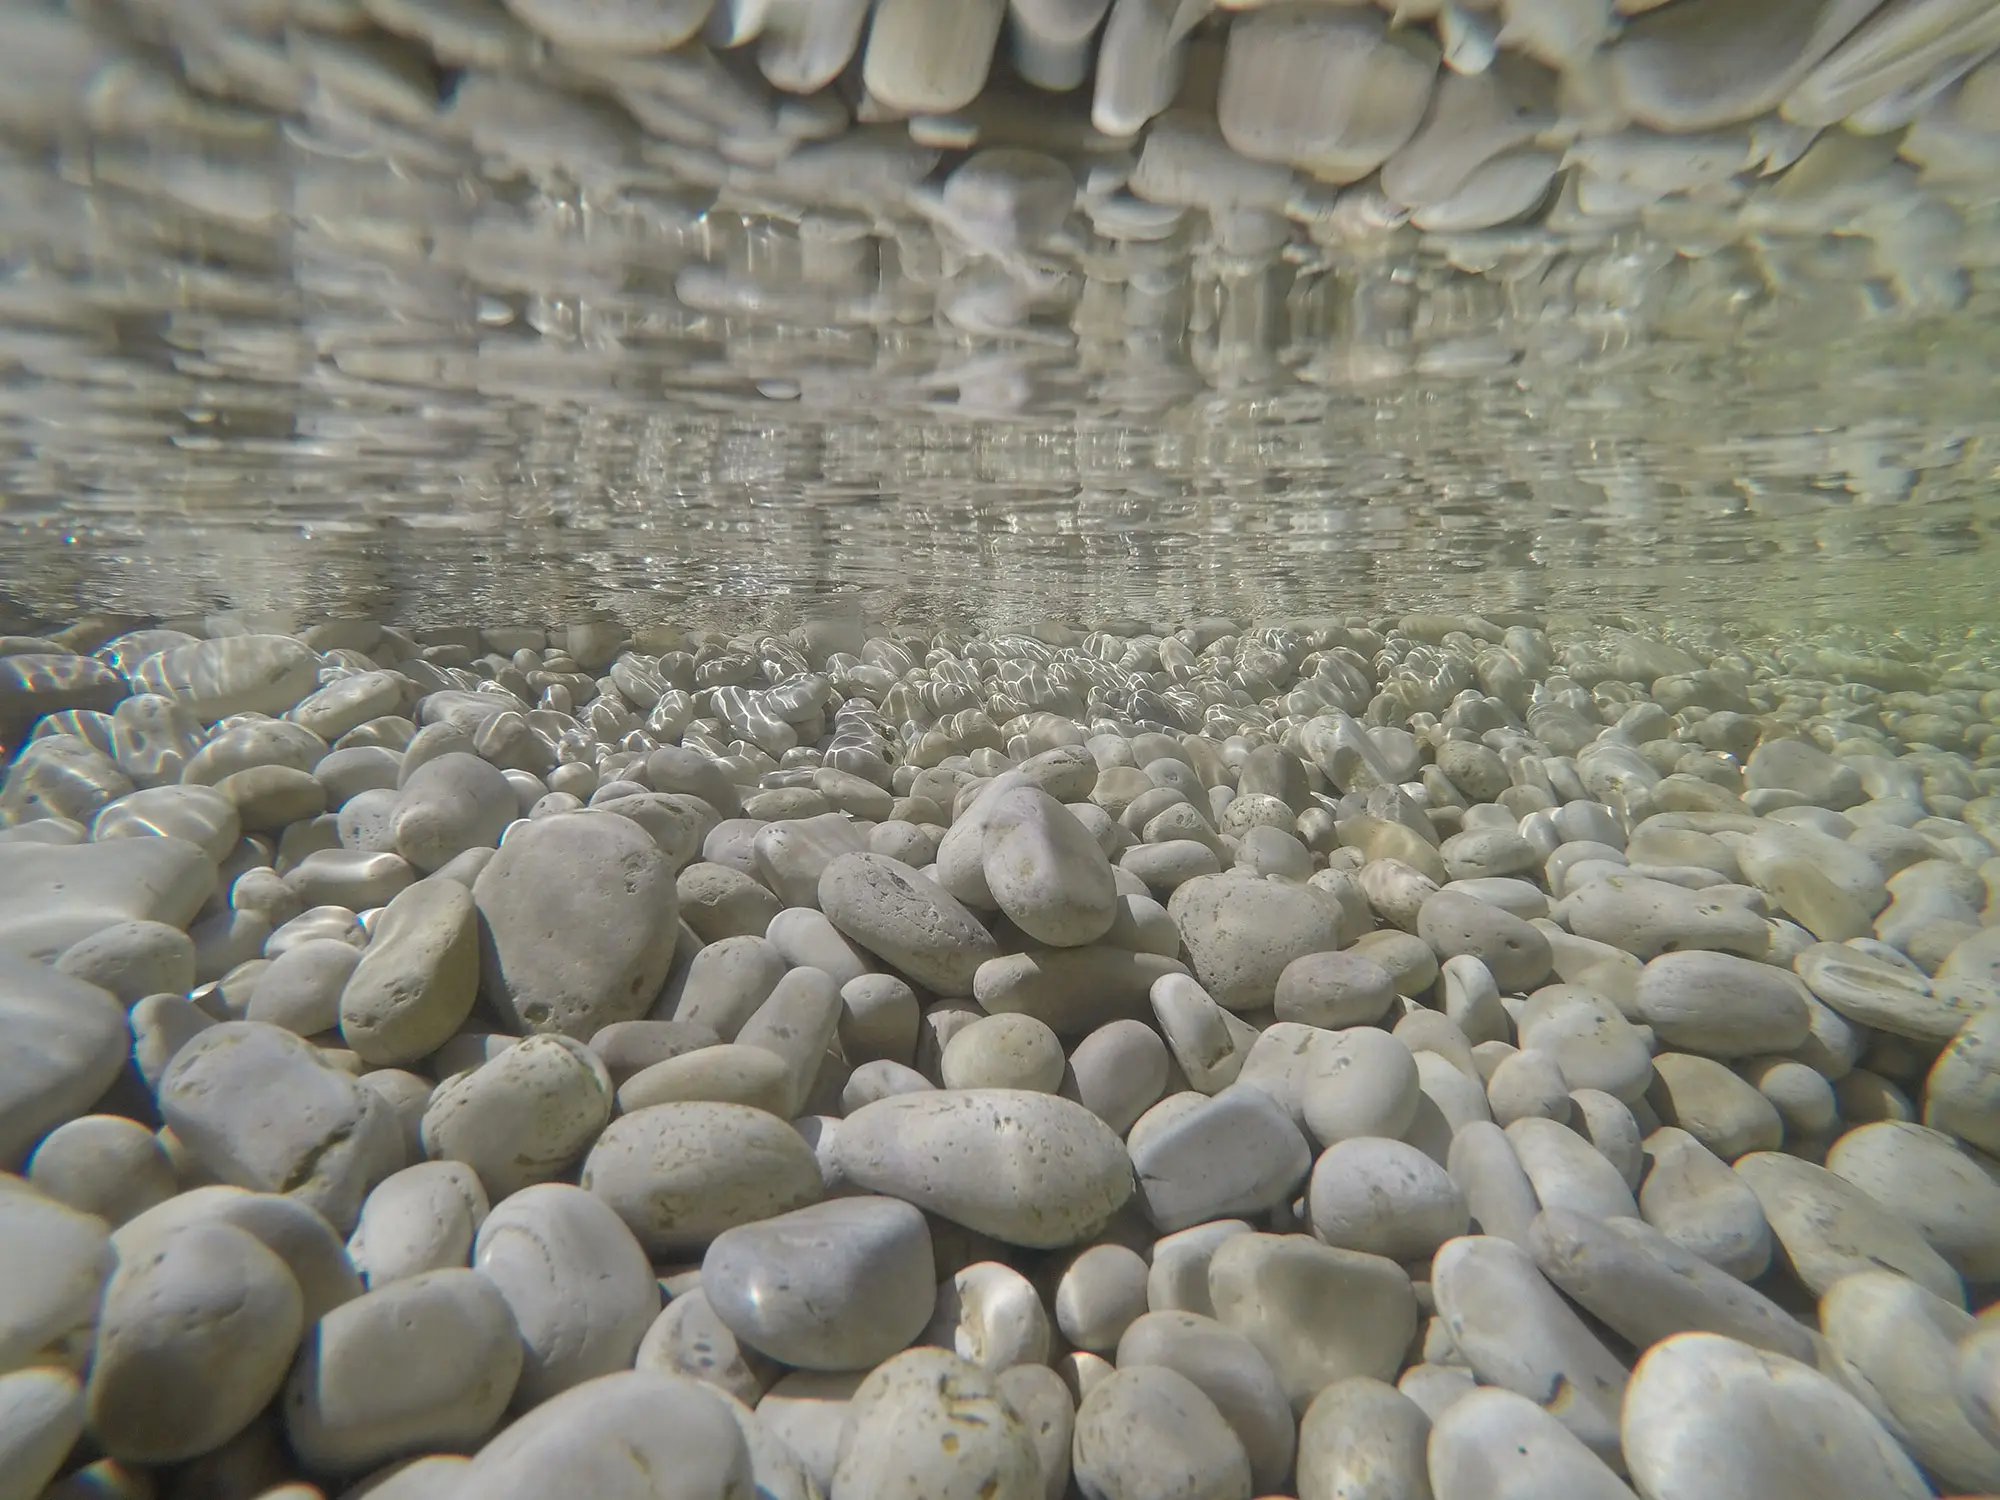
(680, 1174)
(579, 923)
(1004, 1052)
(1242, 934)
(1361, 1437)
(418, 977)
(840, 1285)
(1098, 1296)
(1226, 1367)
(1384, 1197)
(1333, 990)
(194, 1339)
(1149, 1431)
(1044, 870)
(422, 1218)
(927, 1425)
(425, 1364)
(105, 1165)
(523, 1117)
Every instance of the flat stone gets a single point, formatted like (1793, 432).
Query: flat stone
(1922, 1178)
(1237, 1153)
(1722, 1005)
(264, 674)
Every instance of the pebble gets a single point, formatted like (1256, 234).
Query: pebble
(687, 1338)
(425, 1364)
(1515, 1331)
(1828, 1228)
(67, 1041)
(928, 1424)
(62, 1259)
(1714, 1105)
(680, 1174)
(623, 1436)
(1333, 990)
(1004, 1052)
(908, 921)
(992, 1315)
(1241, 934)
(524, 1116)
(1359, 1438)
(1646, 1288)
(1692, 1197)
(1723, 1006)
(840, 1285)
(1236, 1153)
(1149, 1430)
(263, 1109)
(105, 1165)
(214, 679)
(1707, 1416)
(578, 924)
(194, 1338)
(1894, 1345)
(1922, 1178)
(1491, 1444)
(420, 1219)
(1317, 1314)
(1044, 871)
(1384, 1197)
(1028, 1169)
(54, 896)
(579, 1287)
(41, 1417)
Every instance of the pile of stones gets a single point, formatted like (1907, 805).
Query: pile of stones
(1430, 1057)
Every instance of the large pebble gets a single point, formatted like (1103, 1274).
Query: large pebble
(424, 1365)
(1692, 1197)
(1363, 1440)
(422, 1218)
(1894, 1346)
(1044, 870)
(1150, 1431)
(1384, 1197)
(54, 896)
(1922, 1178)
(990, 1314)
(1028, 1169)
(59, 1260)
(1515, 1331)
(41, 1417)
(1651, 917)
(1317, 1314)
(1830, 1228)
(1241, 934)
(1645, 1288)
(907, 920)
(1707, 1418)
(634, 1435)
(1515, 953)
(105, 1165)
(1237, 1153)
(194, 1338)
(840, 1285)
(418, 977)
(578, 1284)
(66, 1042)
(1722, 1005)
(263, 1109)
(1714, 1105)
(928, 1425)
(687, 1338)
(261, 674)
(522, 1117)
(578, 924)
(1492, 1444)
(680, 1174)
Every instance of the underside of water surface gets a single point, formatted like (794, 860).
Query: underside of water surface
(442, 312)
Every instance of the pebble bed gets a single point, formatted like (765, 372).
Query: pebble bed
(1438, 1057)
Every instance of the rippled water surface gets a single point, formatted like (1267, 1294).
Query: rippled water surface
(272, 363)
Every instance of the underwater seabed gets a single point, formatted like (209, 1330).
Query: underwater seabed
(1227, 1060)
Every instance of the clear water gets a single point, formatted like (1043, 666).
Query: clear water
(281, 367)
